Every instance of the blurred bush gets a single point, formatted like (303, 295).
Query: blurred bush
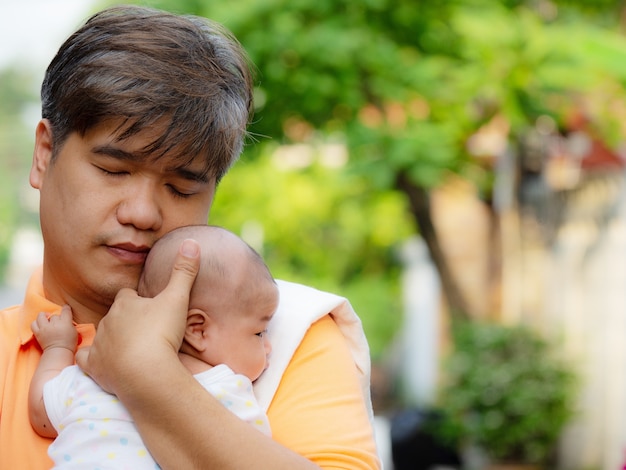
(506, 392)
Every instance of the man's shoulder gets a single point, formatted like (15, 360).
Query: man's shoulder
(9, 319)
(11, 299)
(9, 336)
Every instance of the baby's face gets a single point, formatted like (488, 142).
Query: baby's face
(240, 340)
(237, 296)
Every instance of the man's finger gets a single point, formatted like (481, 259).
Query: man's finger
(125, 292)
(81, 358)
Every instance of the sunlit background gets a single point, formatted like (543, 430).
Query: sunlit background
(441, 164)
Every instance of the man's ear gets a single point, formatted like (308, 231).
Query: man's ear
(42, 154)
(196, 332)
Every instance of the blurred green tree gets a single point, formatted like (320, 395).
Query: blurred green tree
(16, 98)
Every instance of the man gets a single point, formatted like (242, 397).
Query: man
(143, 114)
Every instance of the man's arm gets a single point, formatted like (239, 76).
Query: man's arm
(58, 339)
(170, 408)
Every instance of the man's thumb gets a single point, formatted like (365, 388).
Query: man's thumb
(82, 357)
(186, 266)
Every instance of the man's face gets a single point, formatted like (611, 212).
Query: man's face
(102, 207)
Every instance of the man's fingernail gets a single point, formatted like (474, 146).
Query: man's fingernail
(190, 248)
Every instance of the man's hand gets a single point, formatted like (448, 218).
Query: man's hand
(138, 333)
(56, 331)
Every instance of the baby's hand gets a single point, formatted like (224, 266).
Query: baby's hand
(56, 331)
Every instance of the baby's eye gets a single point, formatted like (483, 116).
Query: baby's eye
(261, 333)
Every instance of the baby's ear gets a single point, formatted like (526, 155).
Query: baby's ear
(197, 327)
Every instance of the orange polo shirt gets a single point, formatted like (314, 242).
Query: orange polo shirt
(20, 446)
(324, 420)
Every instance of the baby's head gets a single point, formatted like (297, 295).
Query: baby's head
(231, 302)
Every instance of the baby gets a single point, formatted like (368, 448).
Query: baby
(225, 346)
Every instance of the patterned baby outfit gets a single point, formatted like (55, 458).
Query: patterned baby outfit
(96, 432)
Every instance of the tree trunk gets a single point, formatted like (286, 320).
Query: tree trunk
(419, 203)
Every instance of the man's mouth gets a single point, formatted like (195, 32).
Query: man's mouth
(129, 253)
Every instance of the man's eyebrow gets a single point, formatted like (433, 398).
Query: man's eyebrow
(186, 173)
(115, 152)
(120, 154)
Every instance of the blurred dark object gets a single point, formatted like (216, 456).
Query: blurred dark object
(415, 444)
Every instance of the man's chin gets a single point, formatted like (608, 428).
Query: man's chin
(117, 283)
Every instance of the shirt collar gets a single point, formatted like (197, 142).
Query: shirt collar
(35, 301)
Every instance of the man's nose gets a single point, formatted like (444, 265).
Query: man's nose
(140, 206)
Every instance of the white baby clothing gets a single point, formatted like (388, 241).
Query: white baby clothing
(96, 432)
